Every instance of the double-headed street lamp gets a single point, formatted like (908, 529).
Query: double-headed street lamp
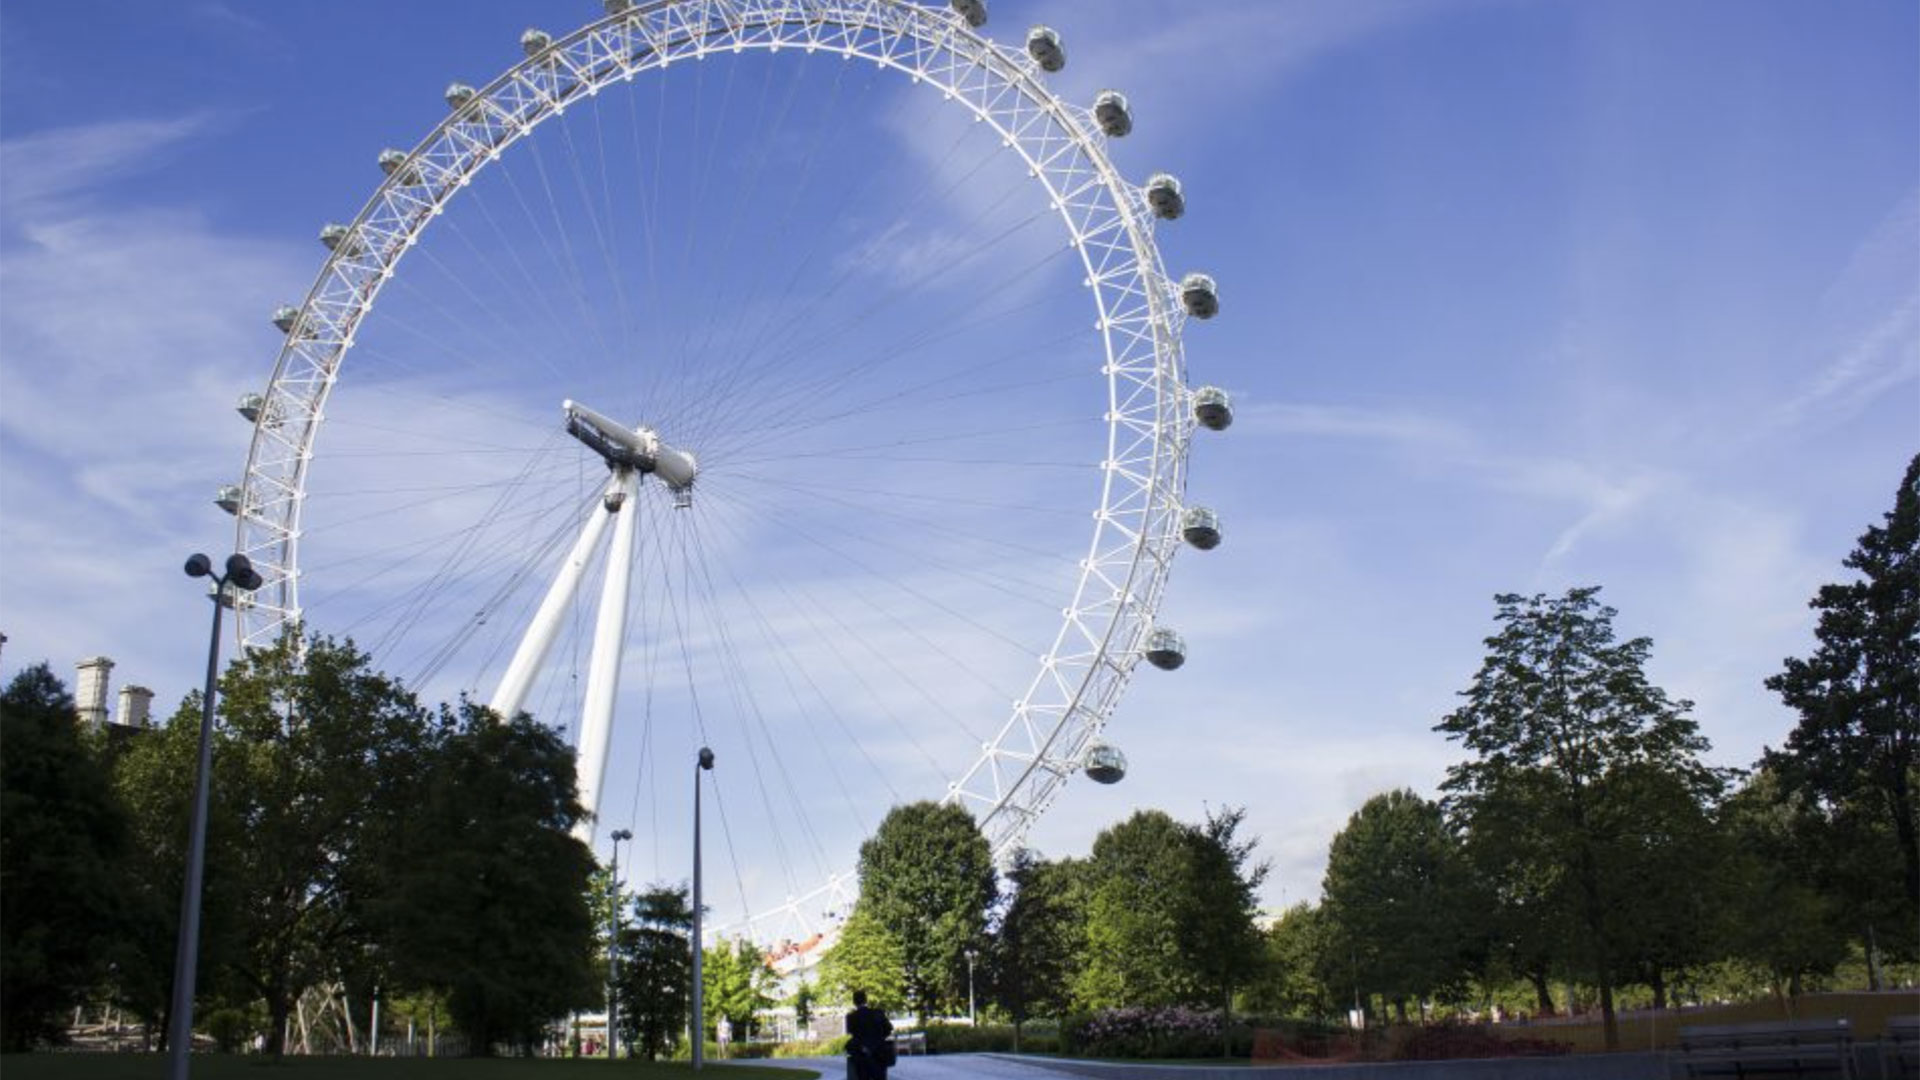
(613, 946)
(699, 1019)
(243, 577)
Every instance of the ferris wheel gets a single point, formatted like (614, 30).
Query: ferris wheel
(738, 391)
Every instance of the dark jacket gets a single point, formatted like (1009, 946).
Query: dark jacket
(867, 1028)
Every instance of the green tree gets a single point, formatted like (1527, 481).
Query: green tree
(1776, 914)
(1300, 954)
(1398, 899)
(1560, 719)
(736, 984)
(1857, 743)
(927, 882)
(1138, 877)
(1673, 850)
(1034, 951)
(654, 986)
(1219, 933)
(153, 776)
(322, 756)
(865, 958)
(488, 889)
(62, 836)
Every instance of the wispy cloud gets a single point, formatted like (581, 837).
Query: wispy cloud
(128, 331)
(1871, 317)
(48, 170)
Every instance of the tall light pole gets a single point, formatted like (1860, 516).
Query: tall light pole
(186, 957)
(699, 1019)
(970, 1016)
(613, 946)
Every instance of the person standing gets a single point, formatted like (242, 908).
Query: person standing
(867, 1032)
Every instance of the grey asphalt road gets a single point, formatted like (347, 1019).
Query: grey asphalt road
(939, 1067)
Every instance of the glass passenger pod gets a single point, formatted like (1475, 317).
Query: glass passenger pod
(250, 406)
(395, 161)
(618, 7)
(339, 238)
(1201, 527)
(284, 317)
(1104, 764)
(534, 42)
(1163, 195)
(228, 498)
(458, 94)
(974, 11)
(1166, 649)
(1200, 296)
(1213, 408)
(1111, 113)
(1043, 44)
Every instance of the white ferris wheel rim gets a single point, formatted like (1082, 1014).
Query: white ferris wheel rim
(1105, 625)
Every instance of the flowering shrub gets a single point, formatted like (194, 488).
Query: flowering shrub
(1171, 1031)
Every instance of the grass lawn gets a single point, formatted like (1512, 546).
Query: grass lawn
(238, 1067)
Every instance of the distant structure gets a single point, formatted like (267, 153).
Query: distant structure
(90, 691)
(136, 705)
(90, 697)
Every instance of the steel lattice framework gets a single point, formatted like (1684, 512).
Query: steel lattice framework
(1108, 220)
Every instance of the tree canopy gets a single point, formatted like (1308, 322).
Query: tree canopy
(62, 838)
(1563, 726)
(1856, 747)
(926, 884)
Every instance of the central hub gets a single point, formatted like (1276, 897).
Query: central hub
(638, 448)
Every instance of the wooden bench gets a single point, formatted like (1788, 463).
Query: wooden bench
(910, 1042)
(1801, 1048)
(1900, 1048)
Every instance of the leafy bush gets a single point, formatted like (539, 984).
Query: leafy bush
(1445, 1042)
(801, 1048)
(969, 1039)
(232, 1029)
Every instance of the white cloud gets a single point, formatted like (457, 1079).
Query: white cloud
(127, 334)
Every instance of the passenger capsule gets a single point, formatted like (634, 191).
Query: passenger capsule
(395, 161)
(1105, 764)
(337, 236)
(1201, 528)
(250, 407)
(1111, 113)
(974, 11)
(1201, 298)
(1166, 649)
(619, 7)
(1163, 195)
(228, 499)
(458, 94)
(284, 317)
(534, 42)
(1045, 48)
(1213, 408)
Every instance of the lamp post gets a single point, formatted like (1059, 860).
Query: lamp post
(613, 947)
(186, 958)
(971, 1021)
(699, 1019)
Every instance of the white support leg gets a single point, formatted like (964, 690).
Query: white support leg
(532, 653)
(603, 676)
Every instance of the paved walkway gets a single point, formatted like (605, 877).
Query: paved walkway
(931, 1067)
(1003, 1067)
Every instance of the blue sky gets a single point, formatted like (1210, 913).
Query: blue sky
(1517, 295)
